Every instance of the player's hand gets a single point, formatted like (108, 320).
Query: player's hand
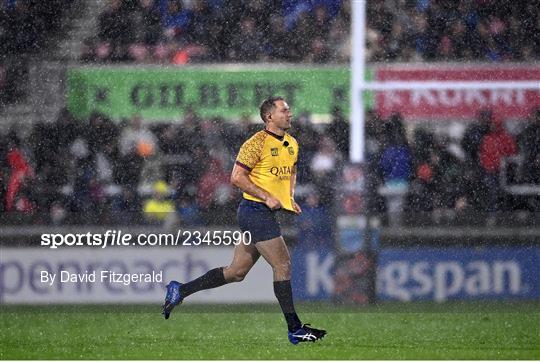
(296, 207)
(273, 203)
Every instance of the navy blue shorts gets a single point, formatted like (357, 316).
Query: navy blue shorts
(259, 220)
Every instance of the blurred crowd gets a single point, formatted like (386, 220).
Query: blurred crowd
(313, 31)
(133, 171)
(308, 31)
(458, 174)
(178, 32)
(465, 30)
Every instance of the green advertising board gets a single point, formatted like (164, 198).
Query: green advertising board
(164, 93)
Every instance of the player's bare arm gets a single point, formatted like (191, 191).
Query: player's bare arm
(240, 179)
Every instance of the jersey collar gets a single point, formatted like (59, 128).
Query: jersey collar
(274, 135)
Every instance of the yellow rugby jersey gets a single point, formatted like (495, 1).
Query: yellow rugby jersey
(270, 159)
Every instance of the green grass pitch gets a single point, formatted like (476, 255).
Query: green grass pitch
(385, 331)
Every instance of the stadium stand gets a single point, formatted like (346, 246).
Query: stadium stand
(103, 171)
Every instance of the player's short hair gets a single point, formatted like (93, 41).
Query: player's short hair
(268, 105)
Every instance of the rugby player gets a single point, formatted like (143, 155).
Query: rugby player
(265, 170)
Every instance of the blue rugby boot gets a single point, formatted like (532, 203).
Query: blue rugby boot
(172, 298)
(306, 334)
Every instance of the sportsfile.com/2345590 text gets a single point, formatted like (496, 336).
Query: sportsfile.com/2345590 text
(121, 238)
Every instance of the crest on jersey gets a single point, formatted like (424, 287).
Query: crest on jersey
(274, 151)
(291, 150)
